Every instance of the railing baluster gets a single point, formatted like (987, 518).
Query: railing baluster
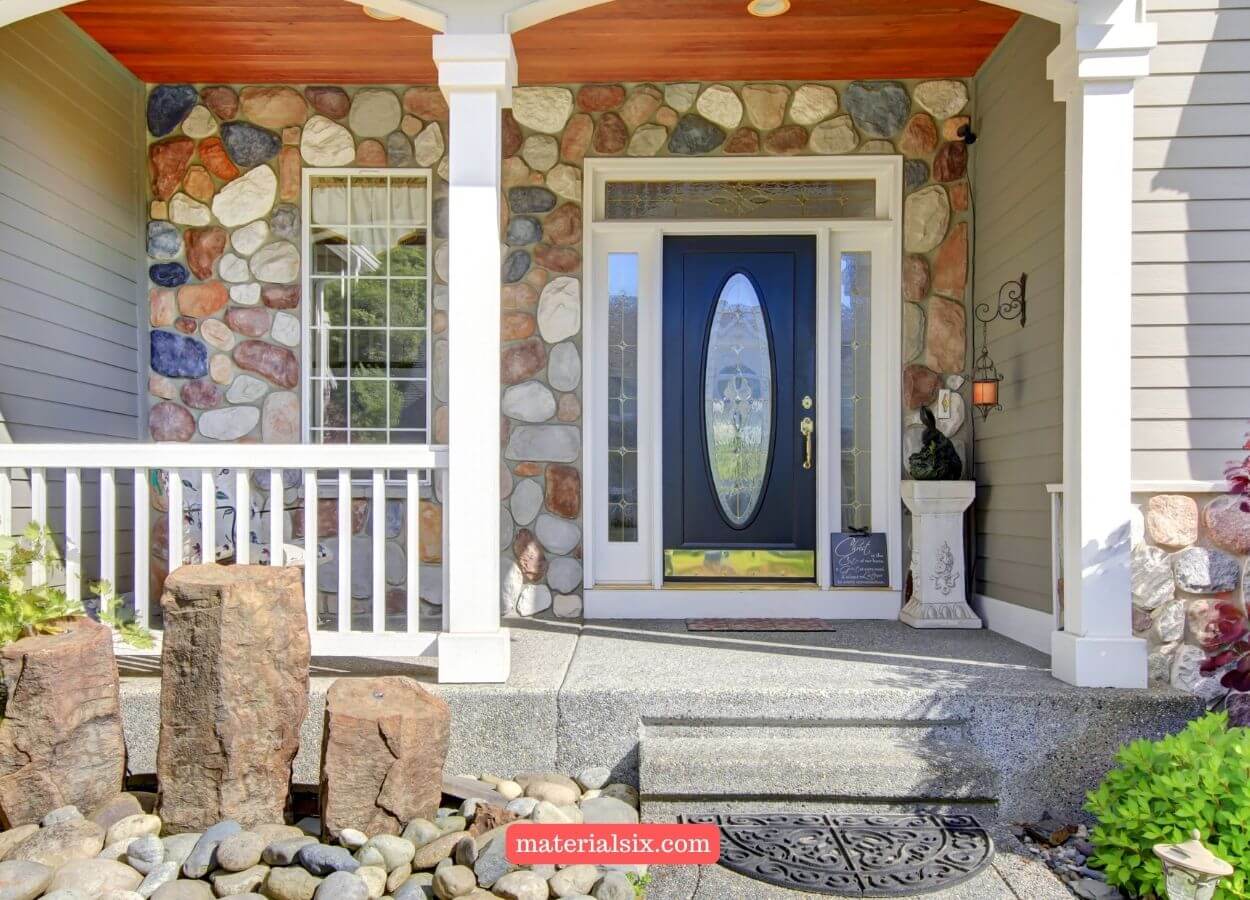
(345, 550)
(379, 550)
(277, 509)
(39, 514)
(143, 546)
(310, 547)
(73, 534)
(108, 528)
(175, 519)
(445, 568)
(242, 516)
(412, 531)
(351, 474)
(208, 517)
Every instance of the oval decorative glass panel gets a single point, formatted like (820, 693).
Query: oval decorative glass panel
(738, 399)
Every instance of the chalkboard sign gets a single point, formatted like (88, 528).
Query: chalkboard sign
(860, 560)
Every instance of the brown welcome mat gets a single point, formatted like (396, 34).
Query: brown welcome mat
(761, 624)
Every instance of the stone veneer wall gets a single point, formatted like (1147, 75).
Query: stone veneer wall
(548, 134)
(225, 309)
(1190, 552)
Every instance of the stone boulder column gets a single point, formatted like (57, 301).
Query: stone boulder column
(382, 755)
(234, 691)
(61, 739)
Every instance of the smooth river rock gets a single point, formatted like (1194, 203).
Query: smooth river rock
(249, 145)
(879, 108)
(247, 198)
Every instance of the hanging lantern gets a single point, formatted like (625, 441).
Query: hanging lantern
(985, 381)
(1190, 870)
(985, 375)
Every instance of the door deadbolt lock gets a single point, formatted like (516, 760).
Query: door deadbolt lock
(807, 401)
(806, 428)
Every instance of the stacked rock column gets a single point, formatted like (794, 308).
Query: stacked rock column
(1190, 553)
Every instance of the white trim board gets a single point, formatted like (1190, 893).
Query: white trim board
(1030, 627)
(639, 563)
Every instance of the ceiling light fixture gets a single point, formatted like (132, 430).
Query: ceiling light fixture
(766, 9)
(381, 15)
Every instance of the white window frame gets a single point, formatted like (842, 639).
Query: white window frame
(626, 580)
(306, 374)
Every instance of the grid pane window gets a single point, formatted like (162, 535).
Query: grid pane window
(369, 243)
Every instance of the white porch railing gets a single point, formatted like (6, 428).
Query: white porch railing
(109, 533)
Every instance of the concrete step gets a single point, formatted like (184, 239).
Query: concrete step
(889, 766)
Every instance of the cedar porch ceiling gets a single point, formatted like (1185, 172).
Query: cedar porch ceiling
(333, 41)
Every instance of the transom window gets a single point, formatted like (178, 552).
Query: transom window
(368, 289)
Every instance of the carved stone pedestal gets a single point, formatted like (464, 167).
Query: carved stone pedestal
(939, 585)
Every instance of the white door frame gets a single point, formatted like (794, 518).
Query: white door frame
(628, 583)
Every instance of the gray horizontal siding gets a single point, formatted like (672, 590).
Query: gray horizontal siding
(1191, 243)
(1018, 182)
(71, 170)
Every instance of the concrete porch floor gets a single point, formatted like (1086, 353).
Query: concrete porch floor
(583, 695)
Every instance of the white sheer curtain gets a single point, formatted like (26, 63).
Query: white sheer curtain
(370, 206)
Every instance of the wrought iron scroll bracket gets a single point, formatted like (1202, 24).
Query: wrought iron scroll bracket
(1012, 303)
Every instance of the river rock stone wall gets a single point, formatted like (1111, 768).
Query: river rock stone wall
(1191, 551)
(226, 315)
(223, 241)
(547, 136)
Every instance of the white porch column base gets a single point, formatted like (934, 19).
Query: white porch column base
(939, 586)
(476, 73)
(466, 658)
(1098, 661)
(1094, 70)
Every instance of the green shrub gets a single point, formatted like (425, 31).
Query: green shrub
(1199, 778)
(28, 611)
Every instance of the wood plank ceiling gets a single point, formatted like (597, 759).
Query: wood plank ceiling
(310, 41)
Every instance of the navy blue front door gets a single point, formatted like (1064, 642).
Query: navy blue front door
(739, 377)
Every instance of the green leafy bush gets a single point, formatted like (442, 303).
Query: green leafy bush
(27, 611)
(1199, 778)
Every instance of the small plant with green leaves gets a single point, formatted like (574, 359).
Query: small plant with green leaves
(120, 620)
(640, 883)
(1198, 778)
(26, 610)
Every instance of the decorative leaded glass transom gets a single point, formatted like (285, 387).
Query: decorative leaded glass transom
(817, 199)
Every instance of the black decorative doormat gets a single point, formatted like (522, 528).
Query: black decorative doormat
(853, 855)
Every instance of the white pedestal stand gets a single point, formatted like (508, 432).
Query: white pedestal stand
(939, 585)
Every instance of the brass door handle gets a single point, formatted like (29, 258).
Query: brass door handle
(806, 428)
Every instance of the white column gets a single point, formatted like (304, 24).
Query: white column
(1094, 70)
(476, 73)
